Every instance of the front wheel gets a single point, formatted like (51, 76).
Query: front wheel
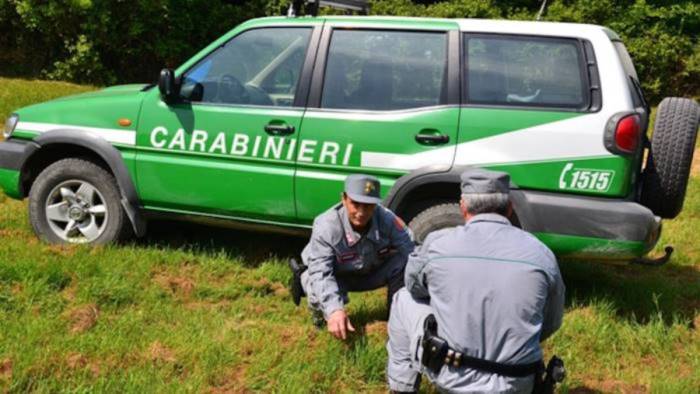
(77, 201)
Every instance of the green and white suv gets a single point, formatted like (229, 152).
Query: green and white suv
(262, 126)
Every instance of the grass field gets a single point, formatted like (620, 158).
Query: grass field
(198, 309)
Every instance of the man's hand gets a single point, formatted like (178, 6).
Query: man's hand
(339, 324)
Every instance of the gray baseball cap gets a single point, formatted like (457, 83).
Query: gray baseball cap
(363, 188)
(480, 181)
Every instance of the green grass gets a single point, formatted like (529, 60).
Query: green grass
(192, 308)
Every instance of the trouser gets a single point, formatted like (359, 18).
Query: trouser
(405, 329)
(389, 274)
(404, 354)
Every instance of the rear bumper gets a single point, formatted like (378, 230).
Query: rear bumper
(13, 154)
(588, 227)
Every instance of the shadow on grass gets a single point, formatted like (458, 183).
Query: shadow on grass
(252, 248)
(637, 293)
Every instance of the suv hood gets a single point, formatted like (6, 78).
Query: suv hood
(93, 111)
(111, 91)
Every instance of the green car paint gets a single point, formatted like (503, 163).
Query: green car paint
(592, 248)
(9, 182)
(319, 183)
(218, 160)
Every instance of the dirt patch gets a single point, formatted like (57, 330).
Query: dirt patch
(289, 335)
(179, 285)
(83, 318)
(16, 289)
(6, 369)
(585, 312)
(76, 361)
(280, 290)
(376, 328)
(158, 352)
(262, 285)
(256, 309)
(218, 305)
(61, 250)
(583, 390)
(609, 386)
(70, 291)
(232, 382)
(10, 233)
(79, 361)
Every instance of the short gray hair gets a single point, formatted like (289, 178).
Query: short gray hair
(486, 203)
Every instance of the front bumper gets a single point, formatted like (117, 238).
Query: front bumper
(13, 154)
(588, 227)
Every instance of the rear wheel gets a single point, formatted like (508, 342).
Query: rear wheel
(435, 218)
(668, 164)
(77, 201)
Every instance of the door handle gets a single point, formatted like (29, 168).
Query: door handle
(279, 129)
(432, 139)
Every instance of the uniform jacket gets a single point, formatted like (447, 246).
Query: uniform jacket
(496, 292)
(335, 249)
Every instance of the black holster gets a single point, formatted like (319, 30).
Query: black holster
(434, 348)
(547, 378)
(437, 352)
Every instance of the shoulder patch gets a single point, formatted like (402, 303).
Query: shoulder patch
(400, 225)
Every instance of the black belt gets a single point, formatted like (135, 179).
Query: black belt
(437, 352)
(457, 359)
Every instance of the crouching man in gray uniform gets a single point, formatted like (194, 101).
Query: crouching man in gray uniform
(356, 245)
(480, 297)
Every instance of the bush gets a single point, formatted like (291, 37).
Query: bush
(108, 41)
(116, 41)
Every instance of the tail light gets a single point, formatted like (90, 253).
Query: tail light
(623, 133)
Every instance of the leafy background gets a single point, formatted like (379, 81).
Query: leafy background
(105, 42)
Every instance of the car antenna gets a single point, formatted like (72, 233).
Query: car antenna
(541, 11)
(310, 7)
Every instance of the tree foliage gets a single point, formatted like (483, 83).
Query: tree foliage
(114, 41)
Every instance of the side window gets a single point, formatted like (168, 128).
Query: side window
(384, 70)
(257, 67)
(514, 71)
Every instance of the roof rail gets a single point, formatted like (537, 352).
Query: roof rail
(310, 7)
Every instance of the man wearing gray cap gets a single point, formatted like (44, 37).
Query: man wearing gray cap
(356, 245)
(479, 299)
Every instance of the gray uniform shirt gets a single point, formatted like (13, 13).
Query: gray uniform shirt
(335, 249)
(496, 292)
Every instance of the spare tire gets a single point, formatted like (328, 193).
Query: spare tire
(668, 164)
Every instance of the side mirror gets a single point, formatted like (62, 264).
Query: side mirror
(192, 92)
(168, 86)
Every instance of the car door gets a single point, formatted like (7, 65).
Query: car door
(380, 104)
(232, 152)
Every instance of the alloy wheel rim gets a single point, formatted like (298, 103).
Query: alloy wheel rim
(76, 211)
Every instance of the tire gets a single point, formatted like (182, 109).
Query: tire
(76, 201)
(668, 164)
(435, 218)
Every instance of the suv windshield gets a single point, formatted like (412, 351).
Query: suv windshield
(257, 67)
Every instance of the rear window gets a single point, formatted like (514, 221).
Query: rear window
(524, 71)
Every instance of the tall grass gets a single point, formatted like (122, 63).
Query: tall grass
(192, 308)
